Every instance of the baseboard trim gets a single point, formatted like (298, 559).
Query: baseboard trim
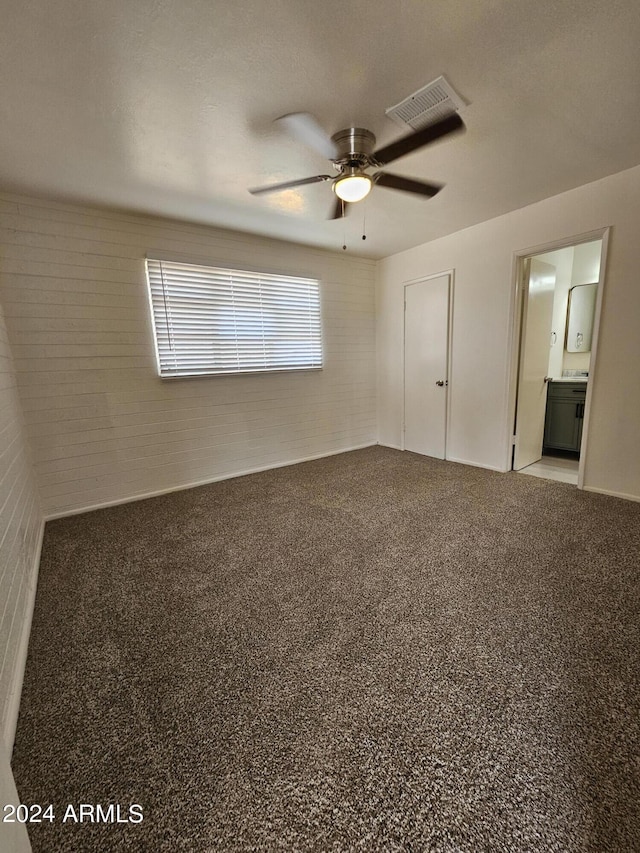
(13, 705)
(452, 459)
(477, 464)
(623, 495)
(194, 485)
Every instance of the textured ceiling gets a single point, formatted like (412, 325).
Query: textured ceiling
(166, 107)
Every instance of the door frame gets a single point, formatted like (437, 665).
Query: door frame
(519, 293)
(447, 409)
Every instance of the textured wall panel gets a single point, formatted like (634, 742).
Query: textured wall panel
(20, 539)
(102, 425)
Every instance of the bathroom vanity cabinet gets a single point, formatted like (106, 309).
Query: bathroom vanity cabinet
(565, 415)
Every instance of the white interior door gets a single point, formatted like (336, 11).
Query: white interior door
(426, 342)
(534, 363)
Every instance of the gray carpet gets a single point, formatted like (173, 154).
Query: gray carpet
(375, 651)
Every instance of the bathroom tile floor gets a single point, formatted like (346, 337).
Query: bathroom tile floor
(554, 468)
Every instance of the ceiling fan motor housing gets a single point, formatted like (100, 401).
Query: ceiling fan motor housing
(354, 145)
(352, 152)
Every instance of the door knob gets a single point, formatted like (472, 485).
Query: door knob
(440, 383)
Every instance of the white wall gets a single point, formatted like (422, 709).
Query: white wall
(13, 836)
(103, 427)
(585, 270)
(20, 540)
(586, 263)
(481, 376)
(562, 260)
(574, 265)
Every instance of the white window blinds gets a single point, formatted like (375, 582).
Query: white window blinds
(212, 320)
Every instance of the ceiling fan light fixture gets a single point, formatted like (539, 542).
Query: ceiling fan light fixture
(352, 186)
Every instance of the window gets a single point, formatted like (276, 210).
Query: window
(210, 320)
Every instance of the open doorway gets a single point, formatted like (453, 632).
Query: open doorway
(560, 295)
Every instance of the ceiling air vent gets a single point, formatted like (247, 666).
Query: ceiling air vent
(434, 101)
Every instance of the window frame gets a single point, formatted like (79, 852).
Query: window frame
(218, 267)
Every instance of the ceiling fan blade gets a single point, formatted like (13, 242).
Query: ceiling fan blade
(306, 129)
(450, 124)
(407, 185)
(339, 209)
(274, 188)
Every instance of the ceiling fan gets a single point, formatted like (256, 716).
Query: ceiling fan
(352, 153)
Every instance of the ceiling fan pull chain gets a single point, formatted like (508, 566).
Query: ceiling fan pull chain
(344, 230)
(364, 224)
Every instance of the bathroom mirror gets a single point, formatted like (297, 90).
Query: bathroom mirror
(580, 313)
